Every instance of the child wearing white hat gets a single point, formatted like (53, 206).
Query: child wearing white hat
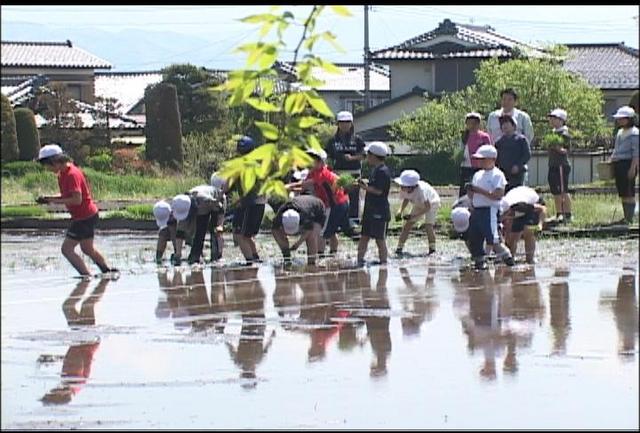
(625, 160)
(303, 215)
(486, 191)
(559, 166)
(167, 229)
(425, 202)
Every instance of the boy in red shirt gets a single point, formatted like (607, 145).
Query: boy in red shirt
(334, 198)
(76, 196)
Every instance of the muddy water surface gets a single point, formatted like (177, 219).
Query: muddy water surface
(420, 343)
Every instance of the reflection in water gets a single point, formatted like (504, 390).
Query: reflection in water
(560, 320)
(625, 313)
(377, 321)
(248, 299)
(419, 301)
(76, 366)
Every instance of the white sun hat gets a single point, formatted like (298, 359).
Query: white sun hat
(344, 116)
(180, 206)
(49, 150)
(378, 148)
(301, 174)
(408, 178)
(291, 221)
(624, 111)
(217, 181)
(319, 153)
(486, 151)
(521, 194)
(162, 212)
(559, 113)
(460, 218)
(473, 115)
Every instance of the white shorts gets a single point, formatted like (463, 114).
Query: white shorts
(430, 216)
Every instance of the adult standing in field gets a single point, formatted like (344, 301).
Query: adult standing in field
(75, 194)
(508, 101)
(472, 138)
(625, 160)
(346, 150)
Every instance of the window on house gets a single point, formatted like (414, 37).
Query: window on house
(74, 91)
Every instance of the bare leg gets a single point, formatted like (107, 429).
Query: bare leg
(512, 242)
(406, 228)
(362, 247)
(312, 244)
(246, 247)
(333, 243)
(68, 247)
(566, 200)
(557, 199)
(86, 245)
(529, 245)
(431, 237)
(382, 250)
(281, 239)
(161, 246)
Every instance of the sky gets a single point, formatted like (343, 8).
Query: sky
(206, 35)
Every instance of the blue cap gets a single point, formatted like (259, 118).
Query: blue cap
(245, 145)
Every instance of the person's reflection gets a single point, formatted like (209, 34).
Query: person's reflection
(559, 311)
(377, 321)
(76, 366)
(348, 334)
(625, 314)
(249, 297)
(177, 299)
(218, 299)
(285, 299)
(419, 302)
(198, 302)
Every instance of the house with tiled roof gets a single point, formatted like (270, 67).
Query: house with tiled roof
(345, 90)
(441, 60)
(614, 68)
(60, 62)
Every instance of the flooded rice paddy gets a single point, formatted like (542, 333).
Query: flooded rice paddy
(419, 343)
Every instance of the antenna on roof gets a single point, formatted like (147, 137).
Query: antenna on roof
(69, 43)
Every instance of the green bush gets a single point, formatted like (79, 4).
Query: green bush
(100, 162)
(23, 211)
(27, 132)
(9, 138)
(438, 169)
(20, 168)
(163, 129)
(141, 211)
(205, 152)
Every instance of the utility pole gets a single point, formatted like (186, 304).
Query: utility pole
(367, 90)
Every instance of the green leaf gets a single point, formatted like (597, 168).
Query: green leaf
(266, 151)
(318, 103)
(268, 130)
(310, 42)
(265, 167)
(300, 157)
(330, 67)
(261, 18)
(261, 105)
(341, 10)
(264, 30)
(308, 121)
(268, 57)
(313, 141)
(248, 179)
(295, 103)
(330, 37)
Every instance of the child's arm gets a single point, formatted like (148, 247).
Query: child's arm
(497, 194)
(404, 204)
(370, 189)
(427, 208)
(74, 199)
(303, 237)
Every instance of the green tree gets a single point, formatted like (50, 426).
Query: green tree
(290, 114)
(541, 84)
(28, 137)
(163, 129)
(202, 109)
(9, 138)
(633, 101)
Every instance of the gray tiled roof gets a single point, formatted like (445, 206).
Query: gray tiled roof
(607, 66)
(486, 43)
(49, 54)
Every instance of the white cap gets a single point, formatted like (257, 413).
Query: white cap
(473, 115)
(291, 221)
(301, 174)
(162, 212)
(625, 111)
(460, 218)
(408, 178)
(319, 153)
(345, 116)
(49, 150)
(559, 113)
(520, 194)
(180, 206)
(378, 148)
(217, 181)
(486, 151)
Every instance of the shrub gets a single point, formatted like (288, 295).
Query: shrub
(27, 132)
(100, 162)
(163, 129)
(9, 138)
(205, 152)
(140, 211)
(130, 161)
(20, 168)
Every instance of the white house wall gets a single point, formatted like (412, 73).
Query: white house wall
(407, 75)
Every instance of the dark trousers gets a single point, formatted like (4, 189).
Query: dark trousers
(354, 202)
(204, 223)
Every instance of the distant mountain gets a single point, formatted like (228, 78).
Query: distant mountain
(132, 49)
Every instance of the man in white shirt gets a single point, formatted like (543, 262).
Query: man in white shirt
(486, 191)
(508, 101)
